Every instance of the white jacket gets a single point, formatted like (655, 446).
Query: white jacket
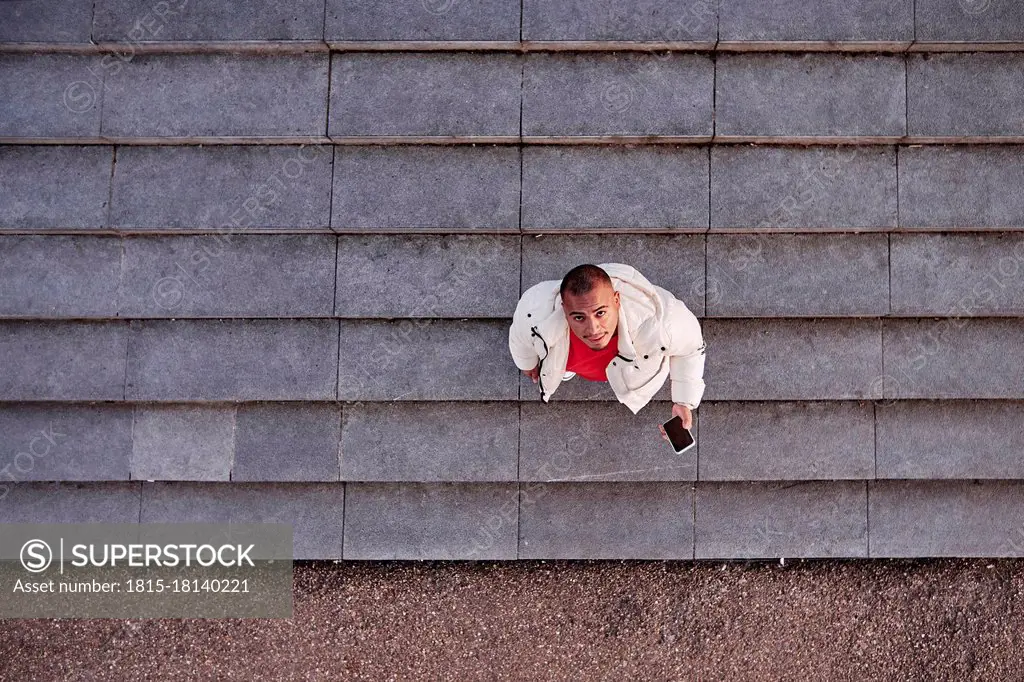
(658, 337)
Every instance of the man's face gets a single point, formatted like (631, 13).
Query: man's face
(594, 316)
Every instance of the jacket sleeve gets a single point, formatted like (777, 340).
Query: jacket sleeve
(686, 354)
(519, 339)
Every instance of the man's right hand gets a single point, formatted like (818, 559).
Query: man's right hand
(533, 373)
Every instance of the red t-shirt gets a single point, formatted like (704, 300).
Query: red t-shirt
(587, 362)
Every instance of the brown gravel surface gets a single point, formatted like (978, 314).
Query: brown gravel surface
(949, 619)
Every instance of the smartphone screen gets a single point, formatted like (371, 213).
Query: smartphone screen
(680, 437)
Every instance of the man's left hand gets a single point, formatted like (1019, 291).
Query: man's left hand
(683, 413)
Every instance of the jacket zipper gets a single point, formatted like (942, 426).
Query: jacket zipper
(540, 361)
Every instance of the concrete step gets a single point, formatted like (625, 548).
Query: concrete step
(381, 360)
(356, 277)
(651, 520)
(541, 188)
(259, 265)
(819, 98)
(831, 24)
(494, 441)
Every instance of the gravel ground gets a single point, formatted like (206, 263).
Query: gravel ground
(950, 619)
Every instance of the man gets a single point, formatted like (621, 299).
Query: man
(609, 323)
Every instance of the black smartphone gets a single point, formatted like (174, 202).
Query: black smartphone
(678, 435)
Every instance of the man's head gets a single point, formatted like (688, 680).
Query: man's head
(591, 305)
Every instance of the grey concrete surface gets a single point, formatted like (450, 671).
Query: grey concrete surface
(47, 187)
(810, 94)
(769, 519)
(803, 187)
(430, 520)
(946, 518)
(425, 20)
(426, 187)
(423, 93)
(422, 276)
(227, 275)
(388, 360)
(652, 520)
(892, 411)
(579, 187)
(950, 439)
(53, 276)
(618, 94)
(140, 21)
(60, 360)
(203, 360)
(69, 502)
(645, 20)
(969, 20)
(581, 442)
(286, 441)
(781, 440)
(183, 443)
(217, 95)
(825, 275)
(827, 20)
(956, 186)
(965, 94)
(314, 510)
(957, 275)
(69, 443)
(430, 442)
(50, 95)
(787, 359)
(953, 358)
(227, 187)
(620, 520)
(23, 22)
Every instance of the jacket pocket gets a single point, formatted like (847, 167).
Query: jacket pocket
(641, 371)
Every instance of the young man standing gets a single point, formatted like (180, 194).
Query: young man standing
(609, 323)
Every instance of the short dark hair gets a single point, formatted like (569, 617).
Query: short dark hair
(582, 279)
